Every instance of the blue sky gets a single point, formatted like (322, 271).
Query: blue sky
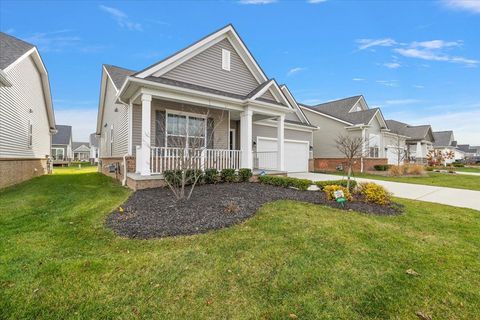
(418, 61)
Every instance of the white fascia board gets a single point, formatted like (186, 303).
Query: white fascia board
(101, 101)
(325, 115)
(23, 56)
(291, 126)
(360, 98)
(262, 91)
(289, 95)
(227, 32)
(3, 79)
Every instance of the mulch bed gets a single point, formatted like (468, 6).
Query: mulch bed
(155, 213)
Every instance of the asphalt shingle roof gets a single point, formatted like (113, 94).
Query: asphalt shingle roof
(77, 145)
(118, 75)
(63, 135)
(414, 132)
(340, 109)
(443, 138)
(11, 49)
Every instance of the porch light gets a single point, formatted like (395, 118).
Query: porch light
(254, 143)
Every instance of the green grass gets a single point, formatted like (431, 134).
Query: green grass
(432, 179)
(57, 261)
(468, 169)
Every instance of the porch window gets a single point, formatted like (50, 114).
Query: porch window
(184, 131)
(374, 142)
(57, 153)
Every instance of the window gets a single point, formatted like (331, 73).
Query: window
(373, 152)
(225, 60)
(58, 153)
(185, 131)
(374, 143)
(30, 134)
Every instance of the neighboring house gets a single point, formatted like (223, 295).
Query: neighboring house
(472, 154)
(352, 117)
(214, 83)
(62, 148)
(445, 142)
(419, 142)
(93, 144)
(81, 151)
(26, 113)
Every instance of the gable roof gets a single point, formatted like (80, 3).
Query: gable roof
(12, 49)
(443, 138)
(118, 74)
(413, 132)
(184, 54)
(63, 135)
(341, 109)
(80, 146)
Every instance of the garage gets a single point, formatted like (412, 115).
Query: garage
(296, 154)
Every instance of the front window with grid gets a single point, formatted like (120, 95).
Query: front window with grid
(374, 142)
(185, 131)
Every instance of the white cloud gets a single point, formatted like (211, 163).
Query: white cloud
(435, 55)
(418, 86)
(466, 5)
(55, 41)
(392, 65)
(257, 1)
(316, 1)
(358, 79)
(436, 44)
(401, 101)
(369, 43)
(82, 120)
(388, 83)
(295, 70)
(122, 18)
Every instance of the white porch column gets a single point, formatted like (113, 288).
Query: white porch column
(281, 143)
(146, 136)
(130, 127)
(246, 139)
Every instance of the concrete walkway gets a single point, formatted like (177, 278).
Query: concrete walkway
(449, 196)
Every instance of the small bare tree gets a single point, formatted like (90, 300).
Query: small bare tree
(186, 139)
(436, 157)
(352, 148)
(399, 150)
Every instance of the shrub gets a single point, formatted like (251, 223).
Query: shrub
(458, 165)
(322, 184)
(382, 167)
(397, 170)
(286, 182)
(330, 190)
(244, 174)
(228, 175)
(194, 174)
(174, 177)
(415, 169)
(375, 193)
(428, 168)
(211, 176)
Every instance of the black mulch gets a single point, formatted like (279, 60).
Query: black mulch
(154, 213)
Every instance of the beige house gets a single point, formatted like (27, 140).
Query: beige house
(247, 120)
(26, 113)
(352, 117)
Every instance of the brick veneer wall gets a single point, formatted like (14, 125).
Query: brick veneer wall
(13, 171)
(104, 163)
(330, 164)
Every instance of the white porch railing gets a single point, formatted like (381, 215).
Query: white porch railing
(167, 158)
(266, 160)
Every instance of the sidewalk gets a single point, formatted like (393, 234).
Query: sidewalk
(449, 196)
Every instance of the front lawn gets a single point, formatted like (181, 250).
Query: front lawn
(432, 178)
(57, 260)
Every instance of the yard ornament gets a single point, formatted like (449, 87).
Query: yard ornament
(340, 197)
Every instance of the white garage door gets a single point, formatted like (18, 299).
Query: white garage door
(296, 154)
(392, 155)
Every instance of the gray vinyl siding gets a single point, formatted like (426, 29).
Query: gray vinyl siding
(271, 132)
(268, 95)
(205, 69)
(324, 145)
(24, 101)
(119, 119)
(292, 117)
(221, 123)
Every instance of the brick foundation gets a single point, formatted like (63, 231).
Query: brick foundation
(13, 171)
(330, 164)
(104, 163)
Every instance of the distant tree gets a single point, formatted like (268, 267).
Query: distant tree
(399, 150)
(439, 157)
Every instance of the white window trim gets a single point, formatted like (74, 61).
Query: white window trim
(56, 152)
(226, 59)
(187, 115)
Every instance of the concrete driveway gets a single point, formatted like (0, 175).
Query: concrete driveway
(449, 196)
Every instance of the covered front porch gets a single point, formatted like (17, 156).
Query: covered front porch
(168, 134)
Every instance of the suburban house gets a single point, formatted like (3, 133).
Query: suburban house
(27, 120)
(93, 145)
(472, 154)
(214, 93)
(81, 151)
(62, 145)
(445, 142)
(419, 142)
(353, 118)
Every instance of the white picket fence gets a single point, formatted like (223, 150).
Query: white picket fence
(167, 158)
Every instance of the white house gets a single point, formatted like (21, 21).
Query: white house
(93, 144)
(213, 83)
(62, 145)
(446, 143)
(26, 113)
